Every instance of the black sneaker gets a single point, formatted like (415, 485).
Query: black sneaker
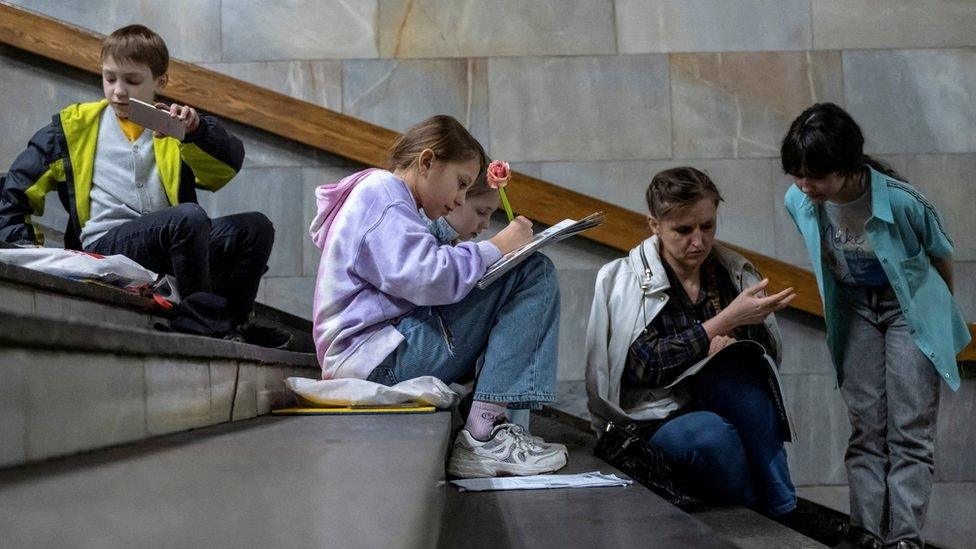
(823, 527)
(265, 336)
(862, 539)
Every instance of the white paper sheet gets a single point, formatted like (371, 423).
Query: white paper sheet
(594, 479)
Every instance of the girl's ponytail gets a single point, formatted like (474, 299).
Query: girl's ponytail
(883, 167)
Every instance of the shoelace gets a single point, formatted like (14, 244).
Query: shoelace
(522, 440)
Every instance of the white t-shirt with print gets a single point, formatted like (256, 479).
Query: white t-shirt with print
(845, 245)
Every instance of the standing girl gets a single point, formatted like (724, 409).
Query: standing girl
(883, 263)
(391, 303)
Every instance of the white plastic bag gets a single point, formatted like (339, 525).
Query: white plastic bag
(425, 390)
(117, 270)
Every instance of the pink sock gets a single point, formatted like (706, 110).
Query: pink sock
(483, 417)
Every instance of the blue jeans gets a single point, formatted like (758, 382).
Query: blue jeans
(514, 322)
(729, 448)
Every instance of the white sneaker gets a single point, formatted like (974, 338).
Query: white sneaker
(508, 452)
(546, 445)
(555, 446)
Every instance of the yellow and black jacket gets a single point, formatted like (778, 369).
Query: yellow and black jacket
(61, 157)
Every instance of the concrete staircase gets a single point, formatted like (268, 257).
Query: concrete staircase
(113, 434)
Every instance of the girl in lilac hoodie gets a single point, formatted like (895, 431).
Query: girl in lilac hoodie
(391, 303)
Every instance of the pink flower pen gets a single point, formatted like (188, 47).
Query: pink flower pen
(499, 173)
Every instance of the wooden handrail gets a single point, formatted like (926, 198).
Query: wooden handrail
(361, 141)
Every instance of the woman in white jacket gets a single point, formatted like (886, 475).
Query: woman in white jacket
(659, 320)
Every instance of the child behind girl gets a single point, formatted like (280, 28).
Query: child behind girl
(464, 224)
(883, 263)
(391, 303)
(468, 221)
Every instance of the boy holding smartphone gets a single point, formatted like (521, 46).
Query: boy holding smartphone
(133, 192)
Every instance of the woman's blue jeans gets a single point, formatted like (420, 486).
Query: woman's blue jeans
(729, 449)
(514, 322)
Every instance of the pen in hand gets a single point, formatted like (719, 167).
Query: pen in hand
(506, 205)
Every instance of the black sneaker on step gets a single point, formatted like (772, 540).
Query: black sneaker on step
(862, 539)
(265, 336)
(823, 527)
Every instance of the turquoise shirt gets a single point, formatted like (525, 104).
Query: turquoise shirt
(905, 232)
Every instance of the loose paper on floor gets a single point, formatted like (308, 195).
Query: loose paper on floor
(594, 479)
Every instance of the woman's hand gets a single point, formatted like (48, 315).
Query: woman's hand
(517, 234)
(718, 343)
(751, 306)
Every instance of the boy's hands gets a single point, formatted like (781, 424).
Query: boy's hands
(518, 233)
(187, 115)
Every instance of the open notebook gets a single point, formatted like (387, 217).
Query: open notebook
(560, 231)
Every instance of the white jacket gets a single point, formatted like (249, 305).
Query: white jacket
(623, 288)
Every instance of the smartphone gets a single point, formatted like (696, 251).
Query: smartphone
(159, 120)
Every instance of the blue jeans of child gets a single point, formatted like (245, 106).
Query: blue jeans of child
(729, 448)
(892, 395)
(514, 322)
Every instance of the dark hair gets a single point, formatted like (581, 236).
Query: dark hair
(444, 135)
(825, 140)
(678, 187)
(137, 44)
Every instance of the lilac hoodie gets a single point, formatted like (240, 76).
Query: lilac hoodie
(379, 261)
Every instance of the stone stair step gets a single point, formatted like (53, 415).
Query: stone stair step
(592, 517)
(750, 530)
(324, 481)
(71, 386)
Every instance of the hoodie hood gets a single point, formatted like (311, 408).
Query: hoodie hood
(329, 199)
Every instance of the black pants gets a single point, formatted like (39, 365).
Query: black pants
(226, 256)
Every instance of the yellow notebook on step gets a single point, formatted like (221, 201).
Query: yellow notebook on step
(378, 409)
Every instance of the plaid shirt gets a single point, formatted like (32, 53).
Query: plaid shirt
(675, 338)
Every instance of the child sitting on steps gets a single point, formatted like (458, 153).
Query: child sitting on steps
(391, 303)
(133, 192)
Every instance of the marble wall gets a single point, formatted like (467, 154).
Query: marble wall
(593, 95)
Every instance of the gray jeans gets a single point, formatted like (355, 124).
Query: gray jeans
(892, 395)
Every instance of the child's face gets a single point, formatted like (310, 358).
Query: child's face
(127, 80)
(687, 233)
(474, 216)
(443, 185)
(822, 189)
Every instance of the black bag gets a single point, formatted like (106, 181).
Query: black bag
(623, 448)
(205, 314)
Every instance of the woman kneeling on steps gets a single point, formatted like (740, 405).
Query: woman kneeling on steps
(682, 343)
